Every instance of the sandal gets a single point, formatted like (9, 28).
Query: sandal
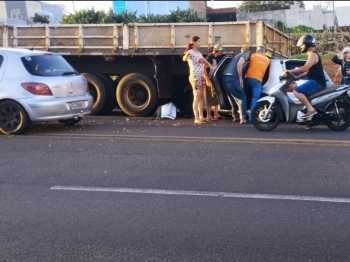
(309, 114)
(219, 117)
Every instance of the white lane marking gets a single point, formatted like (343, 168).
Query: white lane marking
(202, 193)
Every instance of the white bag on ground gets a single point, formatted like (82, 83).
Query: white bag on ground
(166, 111)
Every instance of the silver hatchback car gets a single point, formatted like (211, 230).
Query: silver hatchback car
(38, 86)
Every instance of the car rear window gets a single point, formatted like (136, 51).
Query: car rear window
(1, 60)
(47, 65)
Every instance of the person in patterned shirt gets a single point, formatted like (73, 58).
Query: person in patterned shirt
(195, 62)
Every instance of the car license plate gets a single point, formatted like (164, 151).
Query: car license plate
(76, 105)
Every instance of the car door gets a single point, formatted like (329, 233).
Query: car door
(2, 66)
(217, 82)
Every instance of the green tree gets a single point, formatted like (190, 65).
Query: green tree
(90, 16)
(40, 19)
(258, 6)
(184, 16)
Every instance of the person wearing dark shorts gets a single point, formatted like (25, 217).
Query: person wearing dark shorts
(313, 69)
(211, 98)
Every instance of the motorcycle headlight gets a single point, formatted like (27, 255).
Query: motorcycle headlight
(349, 93)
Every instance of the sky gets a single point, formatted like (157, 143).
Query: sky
(105, 5)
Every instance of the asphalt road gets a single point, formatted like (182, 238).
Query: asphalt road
(115, 188)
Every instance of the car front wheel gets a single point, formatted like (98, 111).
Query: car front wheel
(13, 118)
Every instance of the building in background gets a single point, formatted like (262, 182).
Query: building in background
(221, 14)
(158, 7)
(22, 12)
(316, 18)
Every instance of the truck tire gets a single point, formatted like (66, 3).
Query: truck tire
(136, 95)
(100, 92)
(111, 100)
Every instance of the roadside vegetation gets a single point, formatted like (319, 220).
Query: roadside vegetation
(90, 16)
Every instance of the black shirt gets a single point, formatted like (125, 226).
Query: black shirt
(345, 65)
(316, 72)
(210, 58)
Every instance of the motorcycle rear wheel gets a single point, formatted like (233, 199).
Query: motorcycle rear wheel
(343, 121)
(264, 122)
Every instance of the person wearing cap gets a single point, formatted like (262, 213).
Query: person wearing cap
(232, 80)
(211, 98)
(258, 64)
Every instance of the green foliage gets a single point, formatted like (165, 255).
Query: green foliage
(40, 19)
(184, 16)
(302, 29)
(151, 18)
(90, 16)
(325, 58)
(259, 6)
(297, 29)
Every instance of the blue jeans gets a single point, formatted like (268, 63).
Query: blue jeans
(231, 83)
(256, 87)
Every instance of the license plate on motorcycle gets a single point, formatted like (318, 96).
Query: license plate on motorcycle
(77, 105)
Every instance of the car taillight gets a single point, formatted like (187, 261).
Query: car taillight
(39, 89)
(292, 86)
(349, 93)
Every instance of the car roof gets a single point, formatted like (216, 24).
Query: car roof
(23, 52)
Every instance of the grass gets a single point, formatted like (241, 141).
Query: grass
(325, 58)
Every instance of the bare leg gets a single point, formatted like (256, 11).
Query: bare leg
(302, 98)
(209, 112)
(195, 105)
(216, 112)
(200, 95)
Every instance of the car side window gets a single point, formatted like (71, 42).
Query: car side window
(295, 64)
(1, 60)
(223, 66)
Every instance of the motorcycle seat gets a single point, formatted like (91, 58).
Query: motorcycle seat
(324, 91)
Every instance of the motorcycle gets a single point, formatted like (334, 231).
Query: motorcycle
(332, 105)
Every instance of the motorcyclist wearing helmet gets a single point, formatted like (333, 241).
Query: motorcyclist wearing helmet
(313, 69)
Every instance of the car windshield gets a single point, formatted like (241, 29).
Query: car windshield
(47, 65)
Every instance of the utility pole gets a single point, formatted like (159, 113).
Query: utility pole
(73, 7)
(335, 30)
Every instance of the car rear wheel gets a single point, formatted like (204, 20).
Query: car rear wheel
(13, 118)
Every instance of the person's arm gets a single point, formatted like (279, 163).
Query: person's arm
(301, 75)
(312, 59)
(239, 70)
(208, 64)
(186, 55)
(206, 77)
(336, 60)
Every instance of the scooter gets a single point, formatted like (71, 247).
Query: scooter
(332, 105)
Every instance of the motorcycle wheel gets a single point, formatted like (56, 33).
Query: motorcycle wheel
(264, 122)
(343, 121)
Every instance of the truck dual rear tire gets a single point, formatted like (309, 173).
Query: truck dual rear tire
(137, 95)
(102, 93)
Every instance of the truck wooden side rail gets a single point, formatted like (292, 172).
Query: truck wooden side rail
(139, 65)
